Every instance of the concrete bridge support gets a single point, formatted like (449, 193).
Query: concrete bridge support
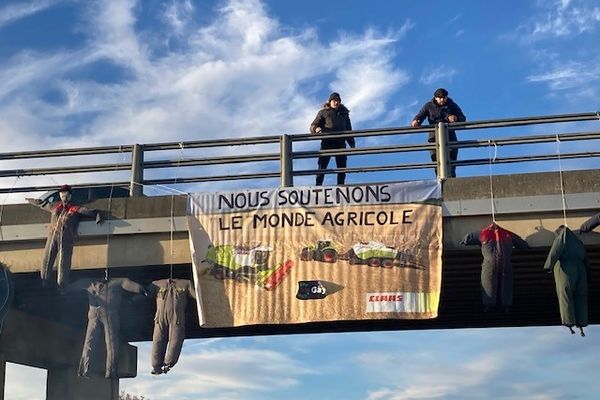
(36, 342)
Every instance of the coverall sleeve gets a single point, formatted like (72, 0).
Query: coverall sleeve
(421, 115)
(318, 122)
(590, 224)
(471, 239)
(133, 287)
(555, 251)
(519, 243)
(80, 284)
(151, 290)
(86, 212)
(191, 290)
(44, 205)
(458, 112)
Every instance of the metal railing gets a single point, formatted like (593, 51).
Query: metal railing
(286, 155)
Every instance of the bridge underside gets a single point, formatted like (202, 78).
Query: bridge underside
(535, 302)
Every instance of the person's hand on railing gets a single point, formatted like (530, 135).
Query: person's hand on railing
(415, 123)
(318, 129)
(452, 118)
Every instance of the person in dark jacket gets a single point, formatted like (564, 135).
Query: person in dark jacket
(62, 233)
(568, 260)
(441, 109)
(169, 321)
(590, 224)
(496, 270)
(103, 315)
(333, 117)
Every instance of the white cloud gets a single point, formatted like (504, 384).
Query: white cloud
(441, 74)
(15, 12)
(24, 383)
(563, 18)
(227, 372)
(568, 75)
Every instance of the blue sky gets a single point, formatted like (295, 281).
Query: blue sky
(79, 73)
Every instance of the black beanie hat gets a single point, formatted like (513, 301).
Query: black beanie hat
(441, 92)
(335, 95)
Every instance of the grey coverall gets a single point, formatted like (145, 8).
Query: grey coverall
(496, 270)
(6, 293)
(105, 301)
(62, 233)
(169, 321)
(568, 260)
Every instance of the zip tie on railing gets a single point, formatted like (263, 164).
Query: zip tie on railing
(562, 186)
(491, 180)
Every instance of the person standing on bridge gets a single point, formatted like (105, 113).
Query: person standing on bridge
(333, 117)
(62, 233)
(441, 109)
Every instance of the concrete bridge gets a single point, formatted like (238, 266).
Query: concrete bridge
(45, 329)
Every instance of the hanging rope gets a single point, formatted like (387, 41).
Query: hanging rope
(172, 253)
(490, 173)
(108, 217)
(562, 185)
(4, 202)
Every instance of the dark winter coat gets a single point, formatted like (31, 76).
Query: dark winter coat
(568, 260)
(6, 293)
(436, 113)
(496, 270)
(333, 120)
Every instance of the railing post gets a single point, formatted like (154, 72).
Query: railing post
(286, 159)
(137, 171)
(442, 151)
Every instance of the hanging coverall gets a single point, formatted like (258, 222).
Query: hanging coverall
(62, 233)
(568, 260)
(169, 321)
(496, 270)
(6, 293)
(103, 314)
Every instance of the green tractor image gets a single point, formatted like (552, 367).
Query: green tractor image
(376, 254)
(242, 263)
(323, 251)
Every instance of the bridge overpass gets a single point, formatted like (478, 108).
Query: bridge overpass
(145, 235)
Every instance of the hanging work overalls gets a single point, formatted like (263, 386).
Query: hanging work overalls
(568, 260)
(103, 314)
(62, 233)
(169, 321)
(496, 269)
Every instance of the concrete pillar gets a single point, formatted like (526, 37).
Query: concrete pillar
(2, 375)
(64, 384)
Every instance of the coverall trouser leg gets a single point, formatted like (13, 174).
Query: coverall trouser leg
(176, 337)
(64, 264)
(50, 252)
(160, 337)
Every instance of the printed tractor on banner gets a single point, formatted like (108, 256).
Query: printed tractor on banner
(241, 263)
(377, 254)
(323, 251)
(374, 254)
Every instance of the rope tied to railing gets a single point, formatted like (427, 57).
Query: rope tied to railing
(490, 142)
(562, 185)
(172, 220)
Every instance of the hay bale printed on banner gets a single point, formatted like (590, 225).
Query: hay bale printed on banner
(310, 254)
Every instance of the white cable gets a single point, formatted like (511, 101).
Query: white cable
(562, 186)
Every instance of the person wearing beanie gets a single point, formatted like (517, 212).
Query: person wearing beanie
(333, 117)
(441, 109)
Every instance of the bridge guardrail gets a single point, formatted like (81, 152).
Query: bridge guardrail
(286, 155)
